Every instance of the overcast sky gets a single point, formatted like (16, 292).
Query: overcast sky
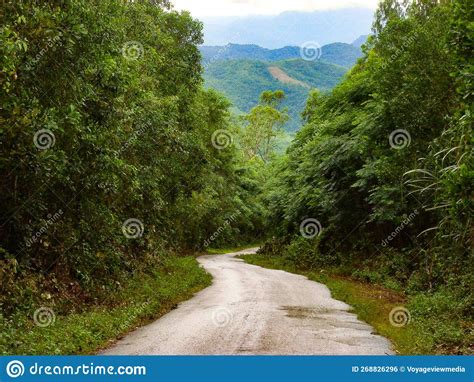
(207, 8)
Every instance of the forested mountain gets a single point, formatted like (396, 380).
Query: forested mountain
(242, 81)
(336, 53)
(289, 28)
(243, 72)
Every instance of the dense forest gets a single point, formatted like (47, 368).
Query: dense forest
(112, 153)
(379, 182)
(116, 162)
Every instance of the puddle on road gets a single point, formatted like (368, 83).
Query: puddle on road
(328, 319)
(306, 312)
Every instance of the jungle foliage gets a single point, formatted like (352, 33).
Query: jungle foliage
(104, 119)
(385, 163)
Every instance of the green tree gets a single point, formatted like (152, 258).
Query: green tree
(263, 125)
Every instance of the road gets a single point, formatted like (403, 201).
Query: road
(252, 310)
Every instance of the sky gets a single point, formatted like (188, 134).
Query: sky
(211, 8)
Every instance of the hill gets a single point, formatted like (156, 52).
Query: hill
(336, 53)
(360, 41)
(289, 28)
(242, 81)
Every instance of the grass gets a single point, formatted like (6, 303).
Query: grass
(427, 332)
(145, 298)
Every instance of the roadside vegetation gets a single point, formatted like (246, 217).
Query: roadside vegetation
(373, 303)
(114, 163)
(224, 250)
(70, 325)
(378, 185)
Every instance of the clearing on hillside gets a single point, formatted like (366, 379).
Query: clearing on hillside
(281, 76)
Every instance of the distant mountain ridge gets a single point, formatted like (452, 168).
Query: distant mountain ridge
(289, 28)
(360, 41)
(336, 53)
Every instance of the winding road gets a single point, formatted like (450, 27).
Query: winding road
(252, 310)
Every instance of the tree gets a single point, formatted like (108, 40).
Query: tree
(263, 125)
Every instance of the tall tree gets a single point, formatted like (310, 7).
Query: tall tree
(263, 125)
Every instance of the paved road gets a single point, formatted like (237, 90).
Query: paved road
(252, 310)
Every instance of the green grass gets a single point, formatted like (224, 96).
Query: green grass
(432, 329)
(145, 298)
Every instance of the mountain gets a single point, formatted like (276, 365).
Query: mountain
(337, 53)
(360, 41)
(289, 28)
(242, 72)
(243, 80)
